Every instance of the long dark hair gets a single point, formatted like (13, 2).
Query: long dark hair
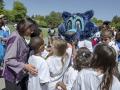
(104, 57)
(26, 23)
(82, 59)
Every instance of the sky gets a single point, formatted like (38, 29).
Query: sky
(103, 9)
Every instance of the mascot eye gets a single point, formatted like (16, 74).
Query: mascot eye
(69, 25)
(78, 25)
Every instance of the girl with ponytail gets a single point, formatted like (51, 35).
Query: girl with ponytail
(101, 74)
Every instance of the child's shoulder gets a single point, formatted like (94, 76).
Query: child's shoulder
(87, 71)
(53, 57)
(71, 71)
(37, 58)
(116, 83)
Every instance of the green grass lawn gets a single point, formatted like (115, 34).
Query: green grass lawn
(45, 32)
(11, 27)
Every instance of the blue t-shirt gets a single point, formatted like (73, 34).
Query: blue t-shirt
(3, 34)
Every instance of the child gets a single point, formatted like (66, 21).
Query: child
(40, 34)
(101, 74)
(40, 81)
(82, 60)
(59, 61)
(107, 38)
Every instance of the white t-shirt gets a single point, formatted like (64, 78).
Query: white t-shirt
(44, 53)
(88, 79)
(38, 82)
(85, 43)
(55, 65)
(69, 77)
(115, 46)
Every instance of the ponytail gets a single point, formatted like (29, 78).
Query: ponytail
(107, 79)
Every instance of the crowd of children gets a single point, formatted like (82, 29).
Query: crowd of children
(62, 65)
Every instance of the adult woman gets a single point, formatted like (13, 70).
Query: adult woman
(17, 54)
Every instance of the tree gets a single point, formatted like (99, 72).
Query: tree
(54, 19)
(40, 20)
(2, 11)
(116, 19)
(116, 22)
(98, 22)
(1, 4)
(19, 11)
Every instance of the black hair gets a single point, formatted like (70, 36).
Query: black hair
(106, 23)
(36, 42)
(36, 33)
(83, 58)
(26, 23)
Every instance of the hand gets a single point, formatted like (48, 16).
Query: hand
(59, 88)
(30, 68)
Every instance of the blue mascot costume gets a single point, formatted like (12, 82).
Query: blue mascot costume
(77, 26)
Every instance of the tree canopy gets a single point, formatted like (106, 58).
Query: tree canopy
(1, 4)
(116, 22)
(19, 11)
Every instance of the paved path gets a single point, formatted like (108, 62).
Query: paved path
(2, 84)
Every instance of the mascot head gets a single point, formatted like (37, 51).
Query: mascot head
(77, 26)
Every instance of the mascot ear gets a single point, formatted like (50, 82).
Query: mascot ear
(88, 15)
(66, 15)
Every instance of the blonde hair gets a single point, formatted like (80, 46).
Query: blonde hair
(60, 45)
